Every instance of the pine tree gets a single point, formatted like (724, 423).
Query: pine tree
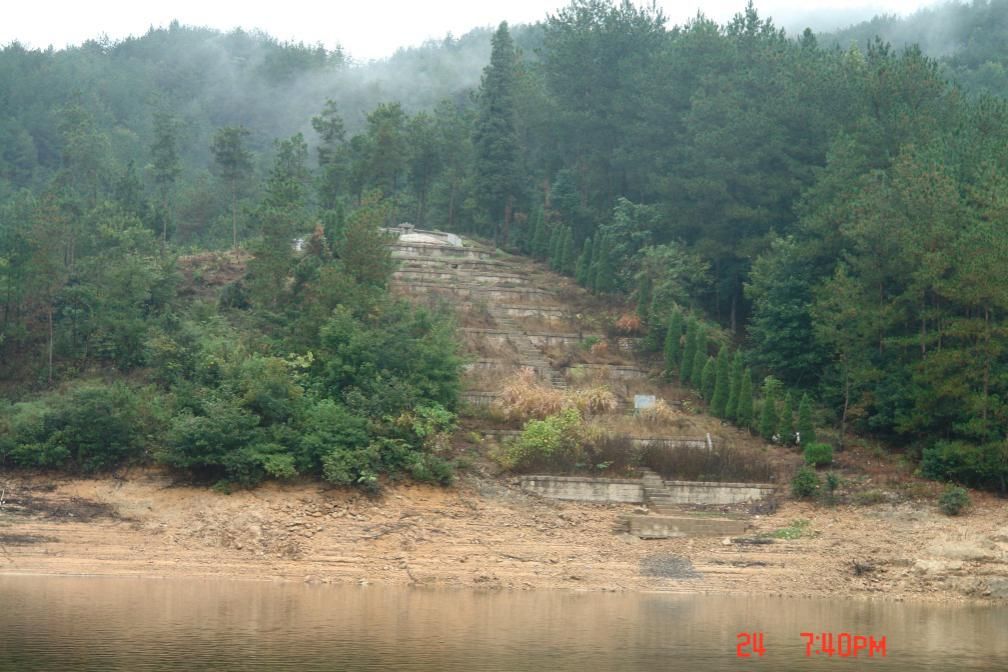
(744, 412)
(644, 297)
(719, 395)
(673, 344)
(689, 351)
(604, 272)
(697, 370)
(806, 430)
(540, 239)
(593, 266)
(583, 262)
(708, 379)
(554, 247)
(497, 177)
(769, 420)
(787, 421)
(735, 384)
(567, 252)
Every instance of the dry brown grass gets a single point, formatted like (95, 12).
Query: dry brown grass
(659, 414)
(593, 400)
(525, 396)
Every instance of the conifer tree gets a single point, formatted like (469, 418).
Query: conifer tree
(734, 389)
(644, 298)
(593, 266)
(554, 247)
(583, 263)
(673, 344)
(708, 379)
(806, 430)
(769, 420)
(497, 178)
(696, 372)
(567, 252)
(689, 351)
(604, 272)
(744, 412)
(540, 240)
(787, 421)
(719, 394)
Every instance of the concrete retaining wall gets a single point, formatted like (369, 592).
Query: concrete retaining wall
(664, 527)
(585, 489)
(458, 277)
(610, 371)
(670, 444)
(477, 292)
(706, 492)
(445, 251)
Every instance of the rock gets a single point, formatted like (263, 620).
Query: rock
(998, 588)
(965, 550)
(935, 567)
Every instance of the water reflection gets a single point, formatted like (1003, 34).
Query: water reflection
(63, 623)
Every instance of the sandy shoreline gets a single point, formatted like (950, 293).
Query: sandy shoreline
(485, 533)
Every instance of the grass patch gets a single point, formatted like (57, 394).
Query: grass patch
(796, 530)
(871, 497)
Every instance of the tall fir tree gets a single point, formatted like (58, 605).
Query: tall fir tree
(554, 247)
(644, 297)
(540, 235)
(806, 430)
(583, 262)
(719, 396)
(600, 242)
(787, 427)
(689, 351)
(744, 412)
(605, 274)
(696, 371)
(567, 260)
(769, 420)
(497, 174)
(708, 379)
(735, 385)
(673, 344)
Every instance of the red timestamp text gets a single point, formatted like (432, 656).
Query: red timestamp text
(749, 643)
(844, 645)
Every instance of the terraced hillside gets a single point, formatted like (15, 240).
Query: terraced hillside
(515, 313)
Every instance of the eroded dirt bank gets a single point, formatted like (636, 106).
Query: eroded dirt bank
(487, 533)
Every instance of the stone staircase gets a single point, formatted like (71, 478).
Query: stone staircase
(528, 352)
(656, 495)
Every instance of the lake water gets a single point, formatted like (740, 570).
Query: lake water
(72, 624)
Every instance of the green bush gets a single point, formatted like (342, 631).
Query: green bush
(980, 466)
(553, 442)
(805, 483)
(954, 500)
(818, 454)
(92, 427)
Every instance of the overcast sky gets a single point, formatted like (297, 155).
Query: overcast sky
(369, 29)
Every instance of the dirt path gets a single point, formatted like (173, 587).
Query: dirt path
(486, 533)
